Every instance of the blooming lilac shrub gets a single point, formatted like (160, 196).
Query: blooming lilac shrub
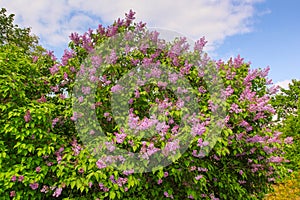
(286, 104)
(44, 156)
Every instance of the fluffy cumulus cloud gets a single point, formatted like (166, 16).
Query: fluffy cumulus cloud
(284, 84)
(54, 20)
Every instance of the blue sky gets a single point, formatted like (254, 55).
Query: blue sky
(275, 40)
(265, 32)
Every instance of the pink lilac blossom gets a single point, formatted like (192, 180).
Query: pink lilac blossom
(230, 75)
(212, 106)
(198, 129)
(13, 178)
(75, 38)
(179, 104)
(38, 169)
(55, 88)
(80, 99)
(96, 61)
(276, 159)
(116, 88)
(86, 90)
(199, 44)
(66, 56)
(35, 59)
(171, 147)
(42, 99)
(166, 174)
(75, 116)
(12, 193)
(227, 92)
(100, 164)
(186, 69)
(86, 42)
(173, 77)
(258, 116)
(198, 177)
(252, 74)
(201, 90)
(110, 146)
(112, 58)
(129, 17)
(75, 147)
(152, 149)
(162, 84)
(34, 186)
(27, 116)
(51, 55)
(57, 192)
(62, 96)
(120, 137)
(45, 189)
(288, 140)
(54, 69)
(238, 61)
(168, 195)
(21, 178)
(128, 172)
(247, 94)
(137, 93)
(65, 76)
(200, 169)
(92, 132)
(198, 155)
(193, 168)
(121, 181)
(201, 143)
(235, 108)
(181, 91)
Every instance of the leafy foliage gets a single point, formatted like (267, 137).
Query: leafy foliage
(43, 156)
(11, 33)
(286, 104)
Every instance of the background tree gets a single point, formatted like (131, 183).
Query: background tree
(13, 34)
(286, 104)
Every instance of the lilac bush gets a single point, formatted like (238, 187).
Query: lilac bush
(52, 160)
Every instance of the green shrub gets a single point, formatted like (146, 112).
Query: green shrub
(46, 142)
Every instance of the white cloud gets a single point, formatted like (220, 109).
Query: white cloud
(284, 84)
(54, 20)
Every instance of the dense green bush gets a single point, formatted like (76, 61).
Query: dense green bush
(286, 104)
(43, 155)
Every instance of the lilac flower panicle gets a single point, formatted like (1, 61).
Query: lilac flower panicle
(21, 178)
(34, 186)
(288, 140)
(120, 137)
(12, 193)
(116, 88)
(27, 116)
(13, 178)
(38, 169)
(199, 44)
(54, 69)
(100, 164)
(57, 192)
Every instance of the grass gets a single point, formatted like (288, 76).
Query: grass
(289, 189)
